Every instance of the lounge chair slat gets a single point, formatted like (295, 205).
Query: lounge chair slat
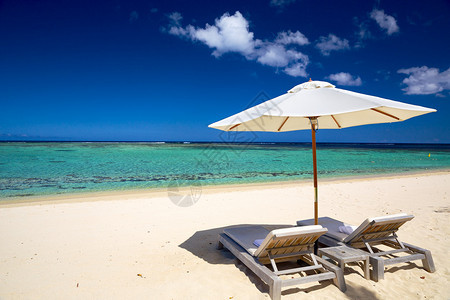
(294, 242)
(300, 253)
(285, 245)
(373, 235)
(377, 239)
(291, 248)
(303, 240)
(391, 243)
(307, 240)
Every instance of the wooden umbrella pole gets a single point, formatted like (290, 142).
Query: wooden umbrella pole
(316, 192)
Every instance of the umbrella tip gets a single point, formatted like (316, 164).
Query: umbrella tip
(310, 80)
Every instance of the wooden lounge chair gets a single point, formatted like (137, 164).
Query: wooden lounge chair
(373, 232)
(294, 243)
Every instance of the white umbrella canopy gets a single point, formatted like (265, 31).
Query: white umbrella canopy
(315, 104)
(334, 108)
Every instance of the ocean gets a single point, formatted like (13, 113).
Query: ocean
(30, 169)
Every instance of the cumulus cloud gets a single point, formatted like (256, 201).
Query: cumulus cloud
(297, 69)
(329, 43)
(425, 80)
(230, 33)
(385, 21)
(275, 55)
(290, 37)
(345, 79)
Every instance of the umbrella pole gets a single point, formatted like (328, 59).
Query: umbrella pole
(316, 193)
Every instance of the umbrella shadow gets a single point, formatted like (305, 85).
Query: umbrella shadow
(203, 244)
(360, 292)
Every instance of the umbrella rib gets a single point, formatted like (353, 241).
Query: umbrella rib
(284, 122)
(234, 126)
(336, 122)
(384, 113)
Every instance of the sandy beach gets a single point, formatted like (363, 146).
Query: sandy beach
(126, 245)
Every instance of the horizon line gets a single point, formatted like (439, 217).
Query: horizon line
(214, 142)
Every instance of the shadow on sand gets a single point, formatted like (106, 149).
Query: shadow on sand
(203, 244)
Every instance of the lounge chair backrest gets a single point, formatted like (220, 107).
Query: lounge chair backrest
(379, 227)
(289, 240)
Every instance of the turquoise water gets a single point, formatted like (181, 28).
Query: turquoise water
(32, 169)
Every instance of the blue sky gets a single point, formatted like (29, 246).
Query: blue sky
(163, 71)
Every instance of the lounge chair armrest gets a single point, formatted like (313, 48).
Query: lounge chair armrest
(327, 265)
(415, 248)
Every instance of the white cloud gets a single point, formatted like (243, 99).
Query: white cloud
(133, 16)
(276, 55)
(331, 43)
(362, 32)
(345, 79)
(425, 81)
(385, 21)
(281, 3)
(230, 33)
(174, 26)
(175, 18)
(298, 69)
(290, 37)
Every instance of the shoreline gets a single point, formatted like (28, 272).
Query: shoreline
(154, 192)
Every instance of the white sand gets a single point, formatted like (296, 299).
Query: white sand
(94, 246)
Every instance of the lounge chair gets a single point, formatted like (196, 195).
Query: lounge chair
(372, 232)
(285, 244)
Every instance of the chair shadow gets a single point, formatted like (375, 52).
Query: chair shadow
(406, 266)
(353, 268)
(203, 244)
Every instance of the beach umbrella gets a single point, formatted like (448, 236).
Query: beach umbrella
(318, 104)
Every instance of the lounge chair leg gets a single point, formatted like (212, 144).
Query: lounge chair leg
(275, 290)
(339, 280)
(219, 246)
(366, 269)
(428, 263)
(377, 268)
